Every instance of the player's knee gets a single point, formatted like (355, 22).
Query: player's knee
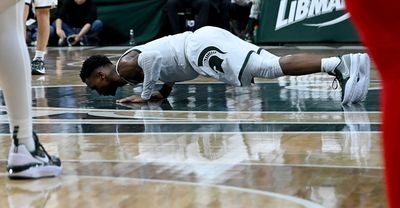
(273, 67)
(265, 67)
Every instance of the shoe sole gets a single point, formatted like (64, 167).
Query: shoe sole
(362, 79)
(364, 76)
(37, 172)
(359, 79)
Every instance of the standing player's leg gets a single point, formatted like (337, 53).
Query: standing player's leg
(43, 18)
(42, 8)
(5, 4)
(26, 14)
(374, 21)
(27, 157)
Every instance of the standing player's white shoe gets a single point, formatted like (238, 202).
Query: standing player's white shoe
(36, 164)
(353, 74)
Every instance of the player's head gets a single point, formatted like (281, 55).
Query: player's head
(97, 73)
(80, 2)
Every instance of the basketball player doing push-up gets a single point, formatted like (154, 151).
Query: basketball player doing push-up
(216, 53)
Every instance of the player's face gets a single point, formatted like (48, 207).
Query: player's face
(100, 82)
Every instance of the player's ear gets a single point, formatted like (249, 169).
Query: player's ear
(100, 74)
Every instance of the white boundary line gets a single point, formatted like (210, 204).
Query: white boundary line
(197, 133)
(189, 122)
(85, 110)
(299, 165)
(155, 162)
(293, 199)
(285, 47)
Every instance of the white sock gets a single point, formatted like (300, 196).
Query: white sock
(15, 78)
(39, 55)
(24, 135)
(329, 64)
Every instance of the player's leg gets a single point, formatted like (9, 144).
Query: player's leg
(351, 70)
(43, 18)
(27, 158)
(26, 14)
(302, 64)
(42, 8)
(14, 81)
(5, 4)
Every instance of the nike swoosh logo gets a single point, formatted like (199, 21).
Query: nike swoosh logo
(43, 159)
(332, 22)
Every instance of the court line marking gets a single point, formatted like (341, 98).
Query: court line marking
(3, 108)
(215, 162)
(196, 133)
(285, 47)
(79, 63)
(182, 118)
(188, 121)
(215, 112)
(293, 199)
(316, 87)
(58, 86)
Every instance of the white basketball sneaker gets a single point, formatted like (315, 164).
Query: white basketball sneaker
(36, 164)
(353, 75)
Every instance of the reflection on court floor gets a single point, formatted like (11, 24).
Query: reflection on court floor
(285, 142)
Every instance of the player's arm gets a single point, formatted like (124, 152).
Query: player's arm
(85, 29)
(164, 92)
(151, 63)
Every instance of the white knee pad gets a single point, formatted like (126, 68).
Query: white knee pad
(260, 66)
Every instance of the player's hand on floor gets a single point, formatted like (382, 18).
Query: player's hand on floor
(156, 96)
(132, 99)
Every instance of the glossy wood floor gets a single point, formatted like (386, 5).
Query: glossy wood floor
(281, 143)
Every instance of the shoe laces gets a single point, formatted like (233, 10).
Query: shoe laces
(37, 62)
(39, 148)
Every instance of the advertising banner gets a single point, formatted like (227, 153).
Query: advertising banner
(285, 21)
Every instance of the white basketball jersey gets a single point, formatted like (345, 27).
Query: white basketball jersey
(42, 3)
